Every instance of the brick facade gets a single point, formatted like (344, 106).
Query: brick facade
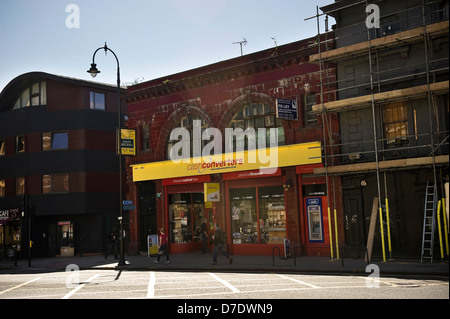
(215, 93)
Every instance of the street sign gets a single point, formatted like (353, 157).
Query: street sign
(128, 141)
(287, 109)
(152, 245)
(127, 202)
(212, 192)
(7, 215)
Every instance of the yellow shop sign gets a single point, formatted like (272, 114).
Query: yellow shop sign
(267, 158)
(212, 192)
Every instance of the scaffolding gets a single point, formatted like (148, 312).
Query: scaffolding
(425, 25)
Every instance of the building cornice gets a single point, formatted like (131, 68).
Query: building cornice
(281, 57)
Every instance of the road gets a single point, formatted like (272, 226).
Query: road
(114, 284)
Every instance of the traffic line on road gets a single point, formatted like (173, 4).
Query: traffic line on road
(70, 294)
(225, 283)
(18, 286)
(151, 285)
(299, 281)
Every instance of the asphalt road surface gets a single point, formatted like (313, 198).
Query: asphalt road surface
(114, 284)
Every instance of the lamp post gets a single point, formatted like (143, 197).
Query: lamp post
(94, 71)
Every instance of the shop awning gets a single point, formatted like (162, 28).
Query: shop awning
(268, 158)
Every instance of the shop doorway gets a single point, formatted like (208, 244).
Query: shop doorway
(354, 218)
(52, 233)
(147, 212)
(186, 213)
(65, 242)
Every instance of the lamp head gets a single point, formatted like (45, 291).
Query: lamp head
(93, 70)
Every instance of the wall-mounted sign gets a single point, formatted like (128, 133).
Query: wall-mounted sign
(287, 155)
(152, 245)
(128, 141)
(287, 109)
(10, 214)
(212, 192)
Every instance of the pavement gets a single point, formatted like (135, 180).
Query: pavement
(197, 261)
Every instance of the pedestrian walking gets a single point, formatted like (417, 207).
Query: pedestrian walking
(162, 246)
(112, 244)
(219, 241)
(204, 233)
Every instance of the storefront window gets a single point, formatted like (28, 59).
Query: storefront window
(272, 215)
(9, 237)
(185, 215)
(244, 216)
(258, 215)
(197, 210)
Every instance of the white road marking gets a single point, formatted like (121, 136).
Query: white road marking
(70, 294)
(225, 283)
(299, 281)
(151, 285)
(18, 286)
(195, 285)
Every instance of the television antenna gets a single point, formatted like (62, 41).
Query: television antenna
(275, 52)
(244, 42)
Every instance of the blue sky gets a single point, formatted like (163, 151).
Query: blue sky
(152, 38)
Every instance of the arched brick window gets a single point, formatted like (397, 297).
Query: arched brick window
(254, 116)
(187, 123)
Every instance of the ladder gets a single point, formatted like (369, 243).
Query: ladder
(429, 225)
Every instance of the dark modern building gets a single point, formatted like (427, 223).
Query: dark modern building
(58, 154)
(393, 107)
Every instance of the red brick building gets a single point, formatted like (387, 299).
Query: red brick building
(257, 208)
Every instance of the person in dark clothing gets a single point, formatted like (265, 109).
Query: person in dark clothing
(112, 243)
(204, 233)
(219, 241)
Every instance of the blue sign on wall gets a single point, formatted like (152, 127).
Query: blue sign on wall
(287, 109)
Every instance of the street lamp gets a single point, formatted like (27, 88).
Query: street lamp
(94, 71)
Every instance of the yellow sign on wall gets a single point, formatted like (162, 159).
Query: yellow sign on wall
(128, 141)
(282, 156)
(212, 192)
